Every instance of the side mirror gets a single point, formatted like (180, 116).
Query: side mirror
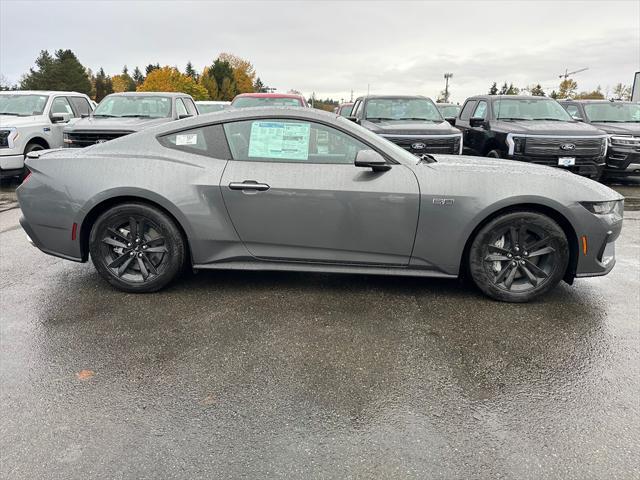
(371, 159)
(354, 119)
(60, 117)
(180, 117)
(451, 120)
(578, 119)
(476, 121)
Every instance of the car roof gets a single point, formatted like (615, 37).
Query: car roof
(366, 97)
(212, 102)
(510, 97)
(149, 94)
(447, 105)
(39, 92)
(594, 100)
(270, 95)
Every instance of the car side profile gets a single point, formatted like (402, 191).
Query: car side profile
(123, 113)
(531, 129)
(34, 120)
(305, 190)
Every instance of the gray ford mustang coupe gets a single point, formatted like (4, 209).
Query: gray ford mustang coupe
(299, 189)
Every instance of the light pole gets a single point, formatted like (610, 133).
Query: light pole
(447, 76)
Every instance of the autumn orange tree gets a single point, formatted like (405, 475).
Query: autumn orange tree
(170, 79)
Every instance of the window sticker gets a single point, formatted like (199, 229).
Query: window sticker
(289, 141)
(187, 139)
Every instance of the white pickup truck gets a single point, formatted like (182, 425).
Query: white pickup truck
(33, 120)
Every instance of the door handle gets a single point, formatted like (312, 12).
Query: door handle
(249, 185)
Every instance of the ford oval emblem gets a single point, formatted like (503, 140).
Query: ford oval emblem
(567, 146)
(100, 140)
(418, 146)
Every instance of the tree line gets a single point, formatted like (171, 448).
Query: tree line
(226, 77)
(568, 88)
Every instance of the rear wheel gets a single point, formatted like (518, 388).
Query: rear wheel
(137, 248)
(518, 256)
(494, 154)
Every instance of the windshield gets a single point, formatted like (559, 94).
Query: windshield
(22, 105)
(129, 106)
(210, 107)
(449, 111)
(394, 109)
(613, 112)
(529, 109)
(242, 102)
(345, 110)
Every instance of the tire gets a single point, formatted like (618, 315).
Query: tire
(137, 267)
(494, 154)
(509, 269)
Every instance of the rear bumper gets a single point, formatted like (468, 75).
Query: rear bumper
(55, 237)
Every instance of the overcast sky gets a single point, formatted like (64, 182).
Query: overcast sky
(332, 47)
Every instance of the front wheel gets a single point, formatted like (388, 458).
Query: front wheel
(518, 256)
(494, 154)
(137, 248)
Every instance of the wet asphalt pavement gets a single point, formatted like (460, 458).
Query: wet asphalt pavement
(290, 375)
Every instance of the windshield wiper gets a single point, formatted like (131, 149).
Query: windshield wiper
(512, 118)
(104, 115)
(552, 119)
(379, 118)
(15, 114)
(135, 116)
(417, 118)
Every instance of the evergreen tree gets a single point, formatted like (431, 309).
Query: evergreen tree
(512, 90)
(258, 86)
(222, 72)
(189, 71)
(61, 72)
(504, 89)
(150, 68)
(537, 91)
(494, 89)
(103, 86)
(137, 76)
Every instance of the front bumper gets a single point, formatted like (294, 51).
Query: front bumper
(591, 167)
(11, 165)
(597, 235)
(623, 161)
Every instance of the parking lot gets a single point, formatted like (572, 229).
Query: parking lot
(253, 375)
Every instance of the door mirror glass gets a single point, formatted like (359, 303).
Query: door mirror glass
(476, 121)
(371, 159)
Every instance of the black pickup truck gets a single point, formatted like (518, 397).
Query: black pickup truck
(531, 129)
(621, 121)
(410, 121)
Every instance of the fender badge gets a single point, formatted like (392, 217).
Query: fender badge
(46, 129)
(443, 201)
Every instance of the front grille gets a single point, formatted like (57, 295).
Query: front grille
(4, 138)
(553, 146)
(447, 145)
(80, 139)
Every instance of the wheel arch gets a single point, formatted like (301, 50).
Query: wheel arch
(38, 140)
(102, 205)
(554, 214)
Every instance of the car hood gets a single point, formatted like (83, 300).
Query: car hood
(132, 124)
(533, 179)
(543, 127)
(410, 127)
(619, 128)
(16, 121)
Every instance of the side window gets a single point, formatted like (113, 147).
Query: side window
(481, 110)
(465, 114)
(61, 105)
(573, 111)
(81, 105)
(284, 140)
(208, 140)
(191, 107)
(180, 108)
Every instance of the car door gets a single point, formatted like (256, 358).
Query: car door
(60, 105)
(293, 193)
(476, 134)
(463, 124)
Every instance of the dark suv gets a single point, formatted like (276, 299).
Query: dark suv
(621, 121)
(531, 129)
(412, 122)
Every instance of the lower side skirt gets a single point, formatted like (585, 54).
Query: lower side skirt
(322, 268)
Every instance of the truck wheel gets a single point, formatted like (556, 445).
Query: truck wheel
(31, 147)
(137, 248)
(518, 256)
(494, 154)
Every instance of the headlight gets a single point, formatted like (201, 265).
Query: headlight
(518, 144)
(8, 137)
(615, 207)
(623, 140)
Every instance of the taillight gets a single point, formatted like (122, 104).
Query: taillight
(26, 177)
(74, 231)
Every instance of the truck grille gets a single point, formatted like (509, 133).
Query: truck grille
(553, 146)
(447, 145)
(80, 139)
